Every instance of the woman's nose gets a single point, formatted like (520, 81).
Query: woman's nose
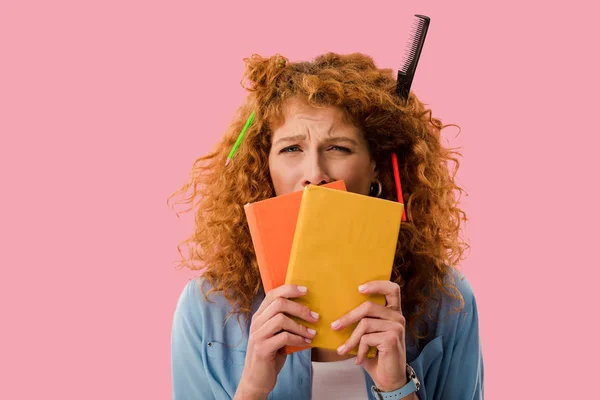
(315, 172)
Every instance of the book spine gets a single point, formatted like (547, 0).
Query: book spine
(295, 244)
(292, 262)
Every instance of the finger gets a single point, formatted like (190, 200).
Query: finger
(367, 309)
(285, 291)
(385, 342)
(281, 322)
(289, 307)
(368, 325)
(283, 339)
(363, 349)
(391, 291)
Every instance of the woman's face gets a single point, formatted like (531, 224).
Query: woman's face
(315, 146)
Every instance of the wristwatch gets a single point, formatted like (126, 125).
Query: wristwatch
(412, 386)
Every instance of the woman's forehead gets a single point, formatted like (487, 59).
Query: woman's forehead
(303, 127)
(296, 106)
(297, 112)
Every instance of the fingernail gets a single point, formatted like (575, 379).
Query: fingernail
(341, 349)
(314, 315)
(335, 324)
(303, 289)
(312, 331)
(307, 340)
(362, 288)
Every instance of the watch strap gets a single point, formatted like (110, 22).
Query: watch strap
(411, 386)
(404, 391)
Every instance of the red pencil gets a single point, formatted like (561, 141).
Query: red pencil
(398, 185)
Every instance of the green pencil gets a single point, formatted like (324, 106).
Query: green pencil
(239, 139)
(280, 64)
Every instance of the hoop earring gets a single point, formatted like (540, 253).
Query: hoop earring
(376, 189)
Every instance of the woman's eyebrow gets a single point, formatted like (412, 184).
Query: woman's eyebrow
(341, 139)
(298, 138)
(294, 138)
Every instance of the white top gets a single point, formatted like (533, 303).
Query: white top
(338, 380)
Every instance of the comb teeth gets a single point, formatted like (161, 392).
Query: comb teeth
(412, 45)
(412, 53)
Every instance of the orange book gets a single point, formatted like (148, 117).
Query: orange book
(272, 224)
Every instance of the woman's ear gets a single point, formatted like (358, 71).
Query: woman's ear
(373, 170)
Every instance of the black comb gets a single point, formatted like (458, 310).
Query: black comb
(413, 51)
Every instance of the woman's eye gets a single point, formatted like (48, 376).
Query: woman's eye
(289, 149)
(340, 148)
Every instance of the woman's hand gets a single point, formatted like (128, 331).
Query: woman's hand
(271, 330)
(381, 327)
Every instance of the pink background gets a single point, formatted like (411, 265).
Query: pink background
(105, 105)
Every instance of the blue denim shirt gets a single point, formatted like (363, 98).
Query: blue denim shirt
(208, 351)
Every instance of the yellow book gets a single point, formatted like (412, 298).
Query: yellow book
(342, 240)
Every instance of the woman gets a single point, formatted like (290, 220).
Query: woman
(336, 118)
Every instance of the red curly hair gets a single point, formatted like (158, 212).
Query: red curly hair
(429, 244)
